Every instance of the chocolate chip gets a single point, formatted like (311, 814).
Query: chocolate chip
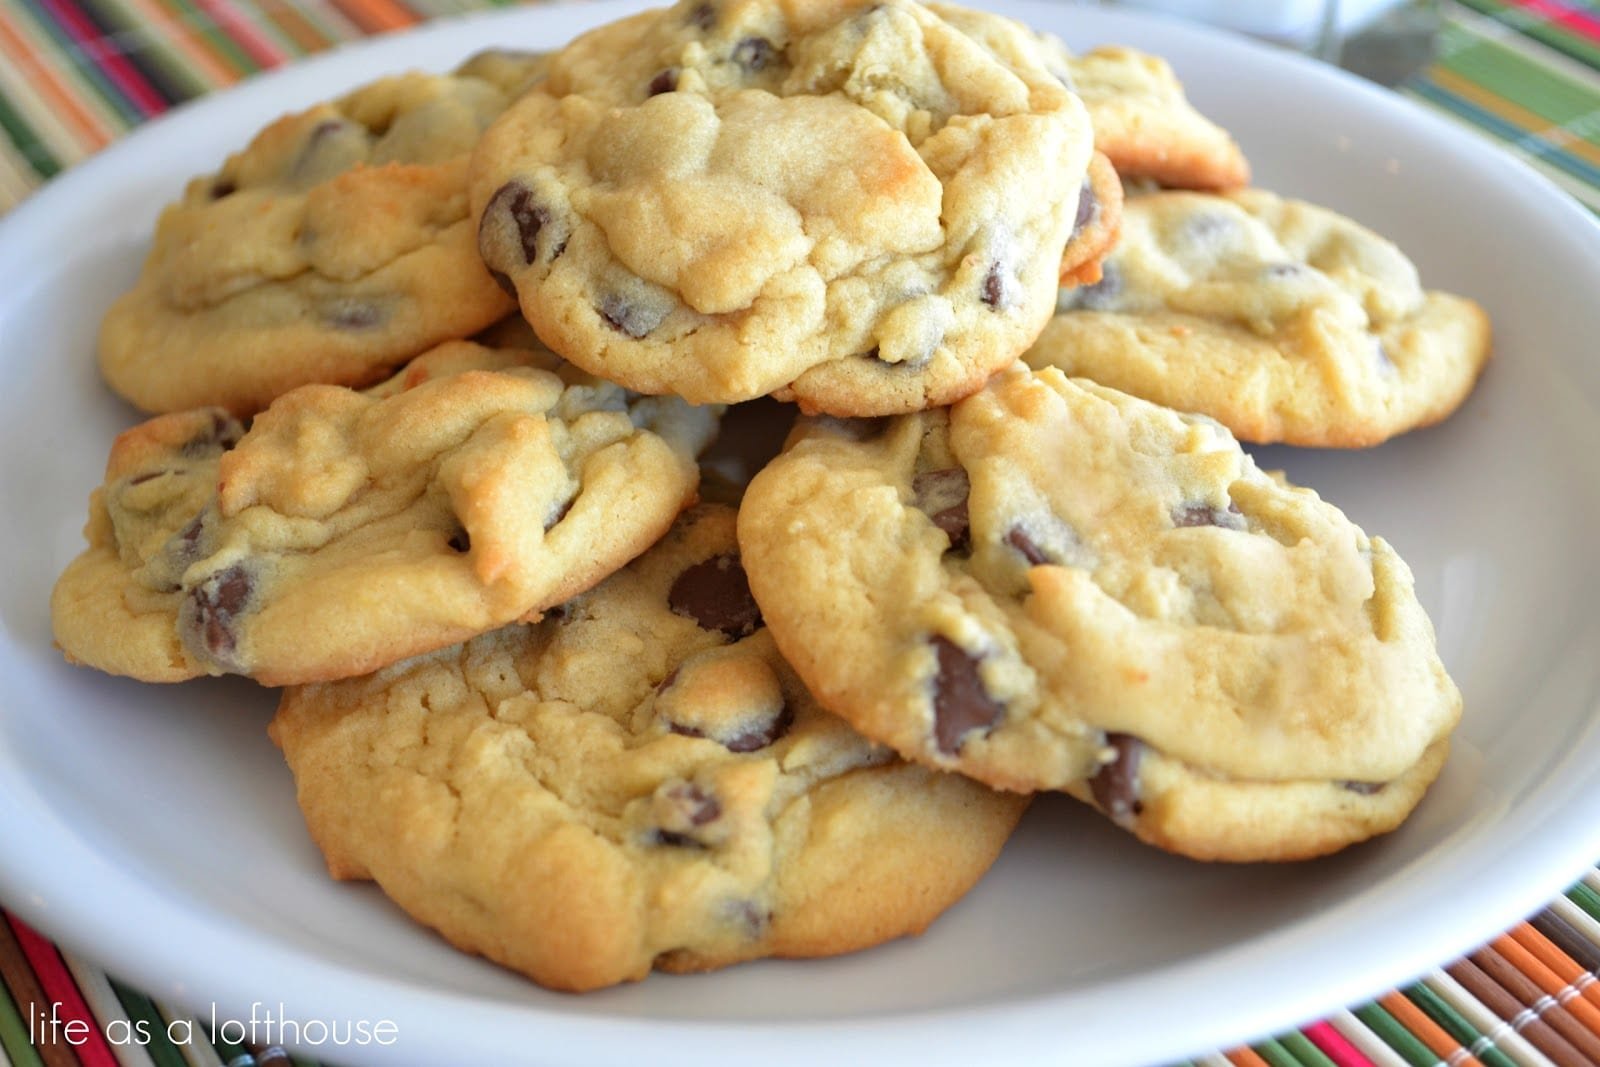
(1097, 297)
(148, 476)
(673, 838)
(1284, 270)
(761, 735)
(352, 314)
(665, 82)
(1365, 789)
(529, 217)
(1229, 518)
(1115, 785)
(942, 494)
(221, 434)
(212, 609)
(960, 703)
(699, 806)
(1031, 552)
(716, 594)
(994, 293)
(703, 16)
(628, 317)
(1088, 207)
(223, 187)
(754, 53)
(753, 917)
(460, 541)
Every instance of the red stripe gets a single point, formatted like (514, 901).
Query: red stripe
(1334, 1046)
(262, 51)
(57, 983)
(1577, 21)
(132, 84)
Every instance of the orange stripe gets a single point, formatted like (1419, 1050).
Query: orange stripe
(187, 42)
(375, 16)
(1427, 1031)
(1548, 980)
(1245, 1057)
(306, 37)
(1565, 967)
(1536, 124)
(88, 126)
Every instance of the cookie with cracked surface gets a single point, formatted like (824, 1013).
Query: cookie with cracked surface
(1284, 321)
(346, 530)
(636, 781)
(1010, 586)
(854, 206)
(333, 248)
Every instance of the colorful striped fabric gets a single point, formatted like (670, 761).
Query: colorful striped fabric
(77, 74)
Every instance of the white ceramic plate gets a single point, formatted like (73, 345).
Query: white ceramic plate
(155, 828)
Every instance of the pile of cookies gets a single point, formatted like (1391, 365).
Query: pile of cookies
(476, 429)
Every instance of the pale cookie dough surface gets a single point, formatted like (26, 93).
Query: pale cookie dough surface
(1009, 586)
(345, 530)
(332, 249)
(1284, 321)
(637, 781)
(851, 205)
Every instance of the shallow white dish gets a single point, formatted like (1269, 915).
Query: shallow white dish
(155, 830)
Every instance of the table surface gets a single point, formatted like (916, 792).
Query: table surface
(77, 74)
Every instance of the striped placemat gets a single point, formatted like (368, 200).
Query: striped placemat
(77, 74)
(1529, 998)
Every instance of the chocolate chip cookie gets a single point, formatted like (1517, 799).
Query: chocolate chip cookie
(332, 249)
(346, 530)
(853, 205)
(1053, 585)
(638, 781)
(1282, 320)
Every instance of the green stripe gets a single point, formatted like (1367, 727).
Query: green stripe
(14, 1032)
(72, 58)
(152, 1034)
(173, 77)
(1587, 899)
(27, 142)
(223, 47)
(1304, 1050)
(1513, 76)
(1456, 1025)
(1274, 1053)
(1532, 26)
(1396, 1036)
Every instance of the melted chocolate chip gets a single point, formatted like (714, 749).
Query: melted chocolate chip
(993, 293)
(754, 918)
(665, 82)
(223, 187)
(716, 595)
(700, 806)
(1365, 789)
(754, 53)
(460, 541)
(352, 314)
(516, 200)
(221, 434)
(942, 494)
(1031, 552)
(1229, 518)
(1088, 207)
(1115, 785)
(148, 476)
(629, 318)
(676, 840)
(703, 16)
(960, 703)
(762, 735)
(213, 607)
